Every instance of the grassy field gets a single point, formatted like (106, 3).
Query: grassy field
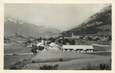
(15, 48)
(56, 55)
(64, 60)
(10, 60)
(78, 63)
(71, 65)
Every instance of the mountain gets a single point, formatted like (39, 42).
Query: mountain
(97, 24)
(12, 27)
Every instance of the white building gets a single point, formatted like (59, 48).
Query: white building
(53, 46)
(78, 48)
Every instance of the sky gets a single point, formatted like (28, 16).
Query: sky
(59, 16)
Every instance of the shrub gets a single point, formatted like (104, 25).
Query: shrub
(60, 59)
(33, 61)
(105, 67)
(13, 68)
(49, 67)
(97, 67)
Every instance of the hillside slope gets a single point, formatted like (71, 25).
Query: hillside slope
(97, 24)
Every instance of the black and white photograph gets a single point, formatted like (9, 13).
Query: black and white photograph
(41, 36)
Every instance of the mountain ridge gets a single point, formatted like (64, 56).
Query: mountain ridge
(12, 27)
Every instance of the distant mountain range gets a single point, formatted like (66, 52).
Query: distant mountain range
(97, 24)
(12, 27)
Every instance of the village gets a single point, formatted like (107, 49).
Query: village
(67, 43)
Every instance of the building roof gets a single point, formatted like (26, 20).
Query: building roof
(77, 47)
